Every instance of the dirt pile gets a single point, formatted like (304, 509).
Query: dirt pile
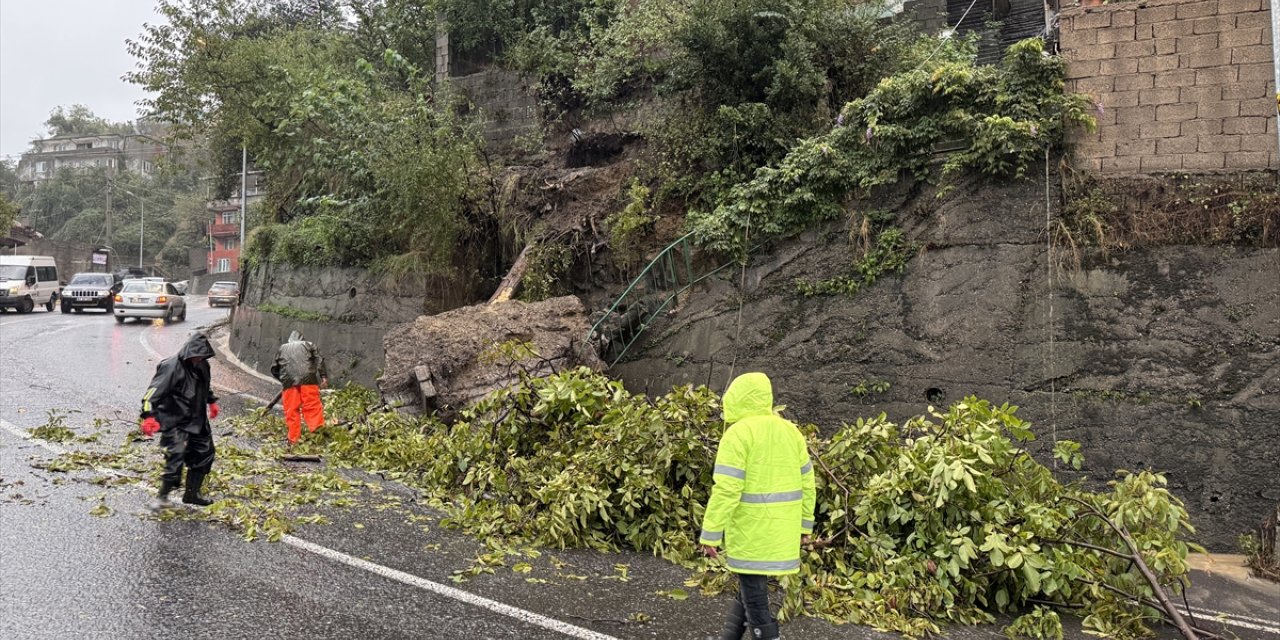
(444, 362)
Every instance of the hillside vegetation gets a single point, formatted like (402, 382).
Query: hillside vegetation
(758, 105)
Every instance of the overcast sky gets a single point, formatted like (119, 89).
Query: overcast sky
(64, 52)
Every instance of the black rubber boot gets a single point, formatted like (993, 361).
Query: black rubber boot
(194, 481)
(735, 625)
(162, 496)
(765, 632)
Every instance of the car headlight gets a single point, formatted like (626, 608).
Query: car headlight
(13, 291)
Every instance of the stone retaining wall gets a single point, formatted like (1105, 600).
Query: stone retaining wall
(1165, 358)
(344, 311)
(353, 352)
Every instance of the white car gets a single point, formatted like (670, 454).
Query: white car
(149, 299)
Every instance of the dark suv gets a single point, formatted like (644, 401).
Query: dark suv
(90, 291)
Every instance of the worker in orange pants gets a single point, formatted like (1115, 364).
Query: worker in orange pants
(301, 370)
(302, 403)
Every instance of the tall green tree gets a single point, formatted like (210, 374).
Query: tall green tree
(364, 161)
(8, 214)
(80, 120)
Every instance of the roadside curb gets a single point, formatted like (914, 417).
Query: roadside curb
(220, 343)
(1229, 566)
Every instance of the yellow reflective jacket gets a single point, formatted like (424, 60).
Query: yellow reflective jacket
(764, 494)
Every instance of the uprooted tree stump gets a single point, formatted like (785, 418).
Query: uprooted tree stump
(444, 362)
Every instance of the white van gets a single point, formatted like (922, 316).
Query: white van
(27, 281)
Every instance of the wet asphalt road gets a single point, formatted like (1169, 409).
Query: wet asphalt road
(67, 574)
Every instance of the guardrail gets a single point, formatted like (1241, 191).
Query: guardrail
(663, 280)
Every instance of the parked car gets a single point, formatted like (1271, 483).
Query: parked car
(27, 281)
(90, 291)
(149, 299)
(224, 293)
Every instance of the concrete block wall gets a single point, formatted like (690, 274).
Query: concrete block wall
(1184, 85)
(505, 104)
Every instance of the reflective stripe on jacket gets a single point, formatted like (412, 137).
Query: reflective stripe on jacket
(764, 493)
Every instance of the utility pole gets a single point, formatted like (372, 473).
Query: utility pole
(108, 242)
(244, 195)
(141, 228)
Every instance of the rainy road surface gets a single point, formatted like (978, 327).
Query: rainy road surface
(370, 574)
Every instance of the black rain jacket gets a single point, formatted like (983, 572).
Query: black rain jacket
(181, 391)
(298, 363)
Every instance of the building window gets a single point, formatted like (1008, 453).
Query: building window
(230, 244)
(147, 166)
(228, 218)
(224, 266)
(42, 166)
(84, 145)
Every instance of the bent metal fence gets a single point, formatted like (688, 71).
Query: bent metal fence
(659, 285)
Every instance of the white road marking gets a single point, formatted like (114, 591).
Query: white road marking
(22, 320)
(1234, 619)
(507, 610)
(529, 617)
(53, 331)
(21, 433)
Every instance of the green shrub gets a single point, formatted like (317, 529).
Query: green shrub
(945, 518)
(1005, 118)
(549, 263)
(626, 227)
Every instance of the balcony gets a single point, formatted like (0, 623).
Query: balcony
(222, 230)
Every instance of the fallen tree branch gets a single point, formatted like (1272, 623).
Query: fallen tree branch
(1086, 545)
(1135, 557)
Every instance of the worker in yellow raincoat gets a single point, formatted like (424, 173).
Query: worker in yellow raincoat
(762, 503)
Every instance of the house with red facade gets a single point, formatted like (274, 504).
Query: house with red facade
(223, 255)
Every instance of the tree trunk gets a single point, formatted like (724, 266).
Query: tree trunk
(511, 282)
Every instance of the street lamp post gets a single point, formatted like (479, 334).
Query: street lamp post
(142, 226)
(244, 196)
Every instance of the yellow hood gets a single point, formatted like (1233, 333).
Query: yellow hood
(749, 395)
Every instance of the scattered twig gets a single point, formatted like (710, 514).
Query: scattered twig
(596, 620)
(300, 457)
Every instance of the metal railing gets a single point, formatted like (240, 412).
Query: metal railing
(660, 284)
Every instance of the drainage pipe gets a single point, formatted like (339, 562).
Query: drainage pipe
(1275, 64)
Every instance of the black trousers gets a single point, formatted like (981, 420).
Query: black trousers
(194, 450)
(753, 593)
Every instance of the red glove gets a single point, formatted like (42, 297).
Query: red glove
(150, 426)
(213, 411)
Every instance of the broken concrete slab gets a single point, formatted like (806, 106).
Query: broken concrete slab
(444, 362)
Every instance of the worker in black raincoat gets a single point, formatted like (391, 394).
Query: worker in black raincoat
(179, 404)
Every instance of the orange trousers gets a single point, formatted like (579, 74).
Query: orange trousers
(301, 402)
